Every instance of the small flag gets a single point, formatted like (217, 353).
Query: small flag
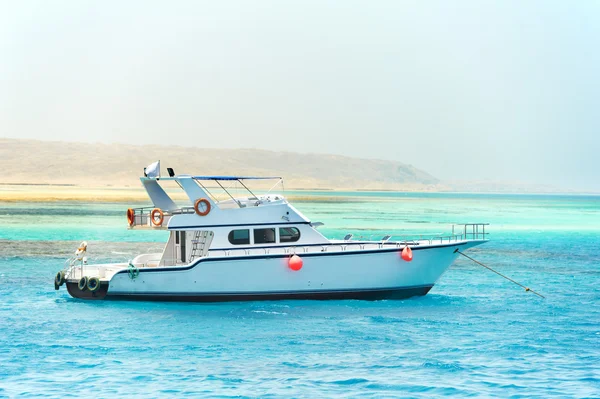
(153, 170)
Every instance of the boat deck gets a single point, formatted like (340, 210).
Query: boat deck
(342, 246)
(466, 233)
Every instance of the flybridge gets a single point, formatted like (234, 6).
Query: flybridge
(152, 171)
(208, 201)
(195, 188)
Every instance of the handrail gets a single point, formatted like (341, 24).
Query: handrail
(460, 232)
(474, 231)
(142, 216)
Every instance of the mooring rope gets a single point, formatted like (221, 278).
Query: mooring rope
(527, 289)
(132, 271)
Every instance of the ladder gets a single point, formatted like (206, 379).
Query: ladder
(200, 243)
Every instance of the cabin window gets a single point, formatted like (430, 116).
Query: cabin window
(289, 234)
(264, 236)
(239, 237)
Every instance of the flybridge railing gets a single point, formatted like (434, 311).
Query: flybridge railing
(154, 217)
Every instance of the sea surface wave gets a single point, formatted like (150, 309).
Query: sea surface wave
(474, 335)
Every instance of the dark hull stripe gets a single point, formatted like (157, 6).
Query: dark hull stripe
(370, 295)
(303, 255)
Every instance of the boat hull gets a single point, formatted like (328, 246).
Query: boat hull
(366, 275)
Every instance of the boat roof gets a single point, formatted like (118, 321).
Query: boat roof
(234, 178)
(214, 178)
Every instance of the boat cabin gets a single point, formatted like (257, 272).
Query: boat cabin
(209, 225)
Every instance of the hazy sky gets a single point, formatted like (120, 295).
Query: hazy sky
(499, 90)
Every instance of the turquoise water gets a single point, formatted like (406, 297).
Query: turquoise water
(475, 334)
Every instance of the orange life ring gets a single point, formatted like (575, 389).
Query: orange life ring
(206, 203)
(130, 216)
(161, 217)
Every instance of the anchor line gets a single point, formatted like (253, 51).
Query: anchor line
(500, 274)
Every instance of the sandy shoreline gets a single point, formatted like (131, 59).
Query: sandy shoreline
(55, 193)
(60, 193)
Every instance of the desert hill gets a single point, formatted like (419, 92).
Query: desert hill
(96, 164)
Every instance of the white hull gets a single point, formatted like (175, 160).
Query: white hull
(368, 274)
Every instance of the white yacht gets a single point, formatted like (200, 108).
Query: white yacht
(257, 247)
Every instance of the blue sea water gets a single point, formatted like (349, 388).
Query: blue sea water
(474, 334)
